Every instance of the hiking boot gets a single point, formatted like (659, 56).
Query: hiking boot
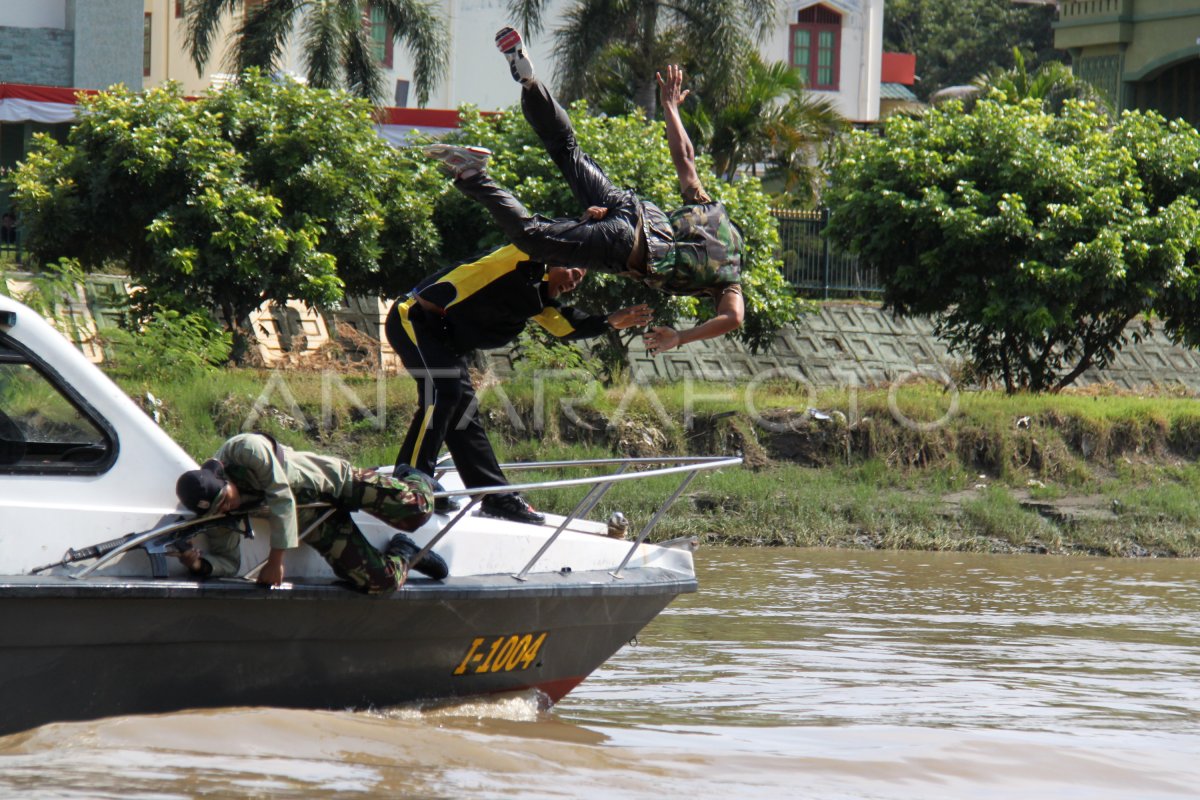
(458, 161)
(431, 565)
(508, 42)
(512, 507)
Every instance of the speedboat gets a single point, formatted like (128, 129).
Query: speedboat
(98, 620)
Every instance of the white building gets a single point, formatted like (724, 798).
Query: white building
(164, 52)
(477, 73)
(838, 45)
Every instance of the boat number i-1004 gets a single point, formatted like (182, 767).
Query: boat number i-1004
(501, 653)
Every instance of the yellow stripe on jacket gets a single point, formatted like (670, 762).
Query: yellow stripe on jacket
(470, 278)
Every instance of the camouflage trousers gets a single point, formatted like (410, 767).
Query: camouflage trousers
(404, 503)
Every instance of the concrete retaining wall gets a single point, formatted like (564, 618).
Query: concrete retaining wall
(842, 344)
(858, 343)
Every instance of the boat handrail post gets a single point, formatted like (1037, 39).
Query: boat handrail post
(670, 501)
(437, 537)
(253, 573)
(583, 512)
(689, 466)
(593, 496)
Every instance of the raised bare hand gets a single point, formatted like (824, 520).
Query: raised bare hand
(670, 88)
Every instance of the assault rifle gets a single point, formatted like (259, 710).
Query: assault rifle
(171, 538)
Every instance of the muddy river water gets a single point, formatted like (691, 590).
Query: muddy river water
(792, 673)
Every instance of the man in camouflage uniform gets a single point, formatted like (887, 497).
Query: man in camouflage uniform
(253, 469)
(695, 250)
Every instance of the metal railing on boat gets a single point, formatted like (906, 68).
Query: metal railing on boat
(688, 466)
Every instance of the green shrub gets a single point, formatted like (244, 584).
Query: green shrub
(167, 346)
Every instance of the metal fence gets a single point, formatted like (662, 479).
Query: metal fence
(10, 247)
(813, 265)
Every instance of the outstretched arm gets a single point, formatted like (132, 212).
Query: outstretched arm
(730, 311)
(683, 155)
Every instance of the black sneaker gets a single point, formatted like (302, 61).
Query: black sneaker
(512, 507)
(508, 42)
(431, 565)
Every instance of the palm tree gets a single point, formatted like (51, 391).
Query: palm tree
(771, 120)
(335, 36)
(1052, 84)
(646, 35)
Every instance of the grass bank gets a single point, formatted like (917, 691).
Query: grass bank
(1101, 472)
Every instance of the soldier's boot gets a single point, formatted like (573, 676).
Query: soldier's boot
(431, 564)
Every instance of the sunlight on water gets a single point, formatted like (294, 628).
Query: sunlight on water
(792, 673)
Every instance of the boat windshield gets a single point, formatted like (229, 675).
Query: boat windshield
(42, 428)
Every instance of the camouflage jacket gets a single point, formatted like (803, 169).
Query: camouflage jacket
(252, 464)
(694, 250)
(280, 478)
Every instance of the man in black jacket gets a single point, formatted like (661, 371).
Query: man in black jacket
(480, 305)
(693, 250)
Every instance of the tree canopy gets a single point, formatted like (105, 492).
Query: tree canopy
(262, 190)
(1033, 239)
(335, 36)
(957, 40)
(634, 154)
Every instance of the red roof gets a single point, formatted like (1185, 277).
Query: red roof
(421, 117)
(418, 117)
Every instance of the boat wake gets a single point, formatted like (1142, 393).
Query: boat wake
(526, 706)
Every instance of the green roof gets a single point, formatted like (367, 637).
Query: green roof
(896, 91)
